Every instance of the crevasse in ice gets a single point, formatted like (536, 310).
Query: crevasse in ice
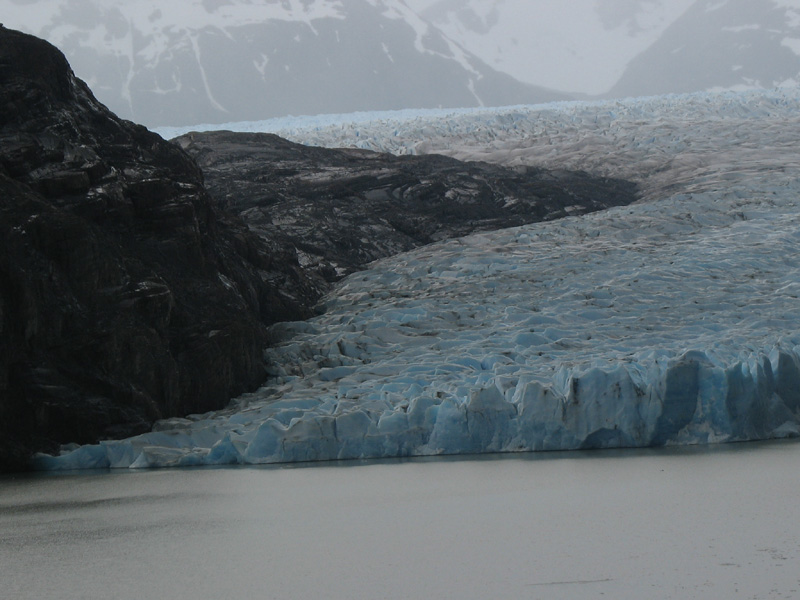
(672, 321)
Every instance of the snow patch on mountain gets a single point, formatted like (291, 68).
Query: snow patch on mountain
(792, 43)
(733, 45)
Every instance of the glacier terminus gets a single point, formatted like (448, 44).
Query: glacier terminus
(675, 320)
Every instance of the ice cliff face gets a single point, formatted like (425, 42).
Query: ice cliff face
(671, 321)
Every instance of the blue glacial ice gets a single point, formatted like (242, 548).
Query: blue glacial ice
(672, 321)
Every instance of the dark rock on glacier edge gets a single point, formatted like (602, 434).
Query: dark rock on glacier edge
(339, 209)
(125, 295)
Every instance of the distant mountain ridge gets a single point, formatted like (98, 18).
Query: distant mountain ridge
(584, 48)
(618, 48)
(731, 45)
(222, 61)
(213, 61)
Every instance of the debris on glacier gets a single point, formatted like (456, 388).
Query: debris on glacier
(671, 321)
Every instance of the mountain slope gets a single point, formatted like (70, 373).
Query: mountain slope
(196, 62)
(735, 44)
(583, 48)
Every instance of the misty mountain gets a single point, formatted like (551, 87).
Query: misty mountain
(735, 44)
(618, 48)
(212, 61)
(583, 48)
(215, 61)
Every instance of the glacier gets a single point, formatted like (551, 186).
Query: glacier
(675, 320)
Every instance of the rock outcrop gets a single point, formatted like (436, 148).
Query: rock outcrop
(341, 209)
(125, 295)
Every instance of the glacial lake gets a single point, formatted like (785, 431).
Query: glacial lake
(698, 522)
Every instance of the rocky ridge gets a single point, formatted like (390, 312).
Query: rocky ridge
(340, 209)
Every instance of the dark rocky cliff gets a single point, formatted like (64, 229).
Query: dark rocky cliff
(125, 296)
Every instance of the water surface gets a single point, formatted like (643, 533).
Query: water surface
(718, 522)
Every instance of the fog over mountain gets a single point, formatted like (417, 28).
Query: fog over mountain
(213, 61)
(617, 48)
(583, 47)
(216, 61)
(736, 45)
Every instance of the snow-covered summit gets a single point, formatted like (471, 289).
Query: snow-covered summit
(671, 321)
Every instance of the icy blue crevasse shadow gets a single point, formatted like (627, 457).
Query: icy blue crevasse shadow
(694, 403)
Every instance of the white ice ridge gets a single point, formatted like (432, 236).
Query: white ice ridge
(672, 321)
(663, 142)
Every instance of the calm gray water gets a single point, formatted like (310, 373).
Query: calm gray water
(719, 522)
